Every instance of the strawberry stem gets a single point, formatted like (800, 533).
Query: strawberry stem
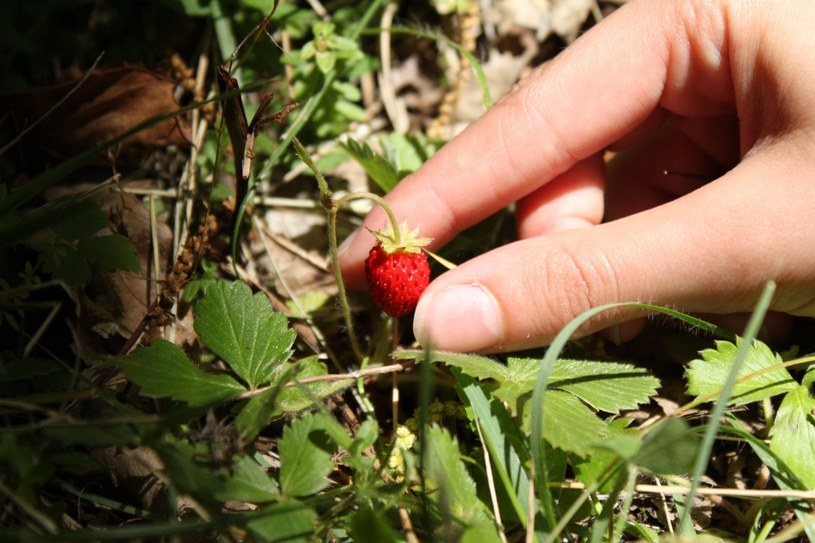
(397, 235)
(331, 207)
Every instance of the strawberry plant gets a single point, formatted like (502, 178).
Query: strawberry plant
(176, 365)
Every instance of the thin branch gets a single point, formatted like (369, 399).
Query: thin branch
(350, 376)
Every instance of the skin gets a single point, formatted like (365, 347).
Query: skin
(721, 89)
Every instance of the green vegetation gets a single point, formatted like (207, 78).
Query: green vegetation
(171, 373)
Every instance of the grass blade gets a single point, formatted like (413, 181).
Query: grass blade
(502, 439)
(703, 457)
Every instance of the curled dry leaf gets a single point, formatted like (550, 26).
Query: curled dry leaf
(108, 103)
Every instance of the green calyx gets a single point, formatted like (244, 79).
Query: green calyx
(402, 240)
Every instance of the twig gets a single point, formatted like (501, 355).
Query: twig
(350, 376)
(396, 114)
(407, 526)
(743, 493)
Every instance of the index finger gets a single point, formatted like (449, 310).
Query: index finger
(597, 90)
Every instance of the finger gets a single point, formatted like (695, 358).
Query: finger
(709, 251)
(659, 168)
(604, 85)
(574, 199)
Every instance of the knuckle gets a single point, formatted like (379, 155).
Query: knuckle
(574, 282)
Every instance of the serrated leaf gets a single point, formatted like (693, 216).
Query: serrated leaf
(407, 153)
(256, 413)
(793, 434)
(456, 489)
(708, 374)
(248, 482)
(305, 456)
(73, 219)
(569, 424)
(670, 448)
(72, 267)
(244, 331)
(188, 475)
(298, 397)
(518, 380)
(110, 253)
(368, 526)
(378, 168)
(606, 386)
(290, 521)
(480, 367)
(162, 370)
(622, 443)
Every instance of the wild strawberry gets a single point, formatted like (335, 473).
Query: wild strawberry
(397, 270)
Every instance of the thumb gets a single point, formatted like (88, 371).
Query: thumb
(709, 251)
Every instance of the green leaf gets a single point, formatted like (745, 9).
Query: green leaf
(305, 456)
(162, 370)
(407, 153)
(793, 434)
(325, 60)
(248, 482)
(606, 386)
(708, 374)
(456, 494)
(568, 423)
(256, 413)
(73, 219)
(503, 439)
(670, 448)
(22, 369)
(195, 8)
(623, 443)
(244, 330)
(480, 367)
(782, 474)
(378, 168)
(70, 267)
(290, 521)
(110, 253)
(368, 526)
(298, 397)
(68, 218)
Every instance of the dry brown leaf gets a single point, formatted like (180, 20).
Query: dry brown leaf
(568, 16)
(106, 105)
(510, 16)
(114, 304)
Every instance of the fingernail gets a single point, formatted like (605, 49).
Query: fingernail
(459, 318)
(346, 244)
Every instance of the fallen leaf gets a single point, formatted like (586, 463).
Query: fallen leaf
(114, 304)
(108, 103)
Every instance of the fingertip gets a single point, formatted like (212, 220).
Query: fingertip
(574, 199)
(459, 317)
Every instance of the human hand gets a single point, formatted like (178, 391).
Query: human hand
(722, 90)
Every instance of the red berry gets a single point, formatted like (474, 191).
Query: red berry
(397, 269)
(396, 280)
